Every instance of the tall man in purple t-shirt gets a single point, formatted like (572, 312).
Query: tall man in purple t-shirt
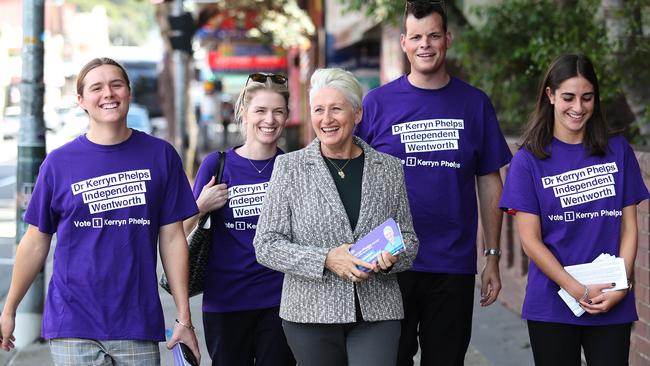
(447, 135)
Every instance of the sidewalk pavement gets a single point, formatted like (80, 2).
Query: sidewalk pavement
(499, 338)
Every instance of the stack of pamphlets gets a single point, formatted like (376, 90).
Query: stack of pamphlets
(604, 269)
(385, 237)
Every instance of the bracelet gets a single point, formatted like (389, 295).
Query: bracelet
(630, 285)
(188, 326)
(585, 295)
(492, 251)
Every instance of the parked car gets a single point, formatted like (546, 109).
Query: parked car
(75, 123)
(144, 84)
(138, 118)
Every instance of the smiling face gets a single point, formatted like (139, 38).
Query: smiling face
(425, 44)
(265, 117)
(389, 234)
(105, 95)
(333, 118)
(573, 104)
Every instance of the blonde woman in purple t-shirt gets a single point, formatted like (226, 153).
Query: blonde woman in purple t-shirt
(573, 189)
(242, 298)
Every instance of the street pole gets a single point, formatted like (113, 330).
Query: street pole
(180, 93)
(31, 153)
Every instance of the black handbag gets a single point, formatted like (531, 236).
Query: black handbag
(199, 241)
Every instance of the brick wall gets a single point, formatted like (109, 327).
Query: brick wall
(640, 352)
(514, 267)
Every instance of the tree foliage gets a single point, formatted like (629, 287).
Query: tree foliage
(279, 22)
(393, 10)
(507, 54)
(379, 10)
(628, 31)
(130, 20)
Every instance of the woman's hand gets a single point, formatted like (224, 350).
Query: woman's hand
(599, 302)
(340, 261)
(185, 335)
(385, 261)
(212, 197)
(7, 325)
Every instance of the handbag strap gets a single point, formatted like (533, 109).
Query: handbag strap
(218, 175)
(220, 165)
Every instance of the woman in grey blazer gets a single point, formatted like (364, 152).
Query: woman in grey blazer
(320, 200)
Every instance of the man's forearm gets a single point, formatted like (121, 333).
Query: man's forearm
(489, 192)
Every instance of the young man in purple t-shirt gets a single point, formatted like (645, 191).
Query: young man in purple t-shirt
(447, 135)
(113, 196)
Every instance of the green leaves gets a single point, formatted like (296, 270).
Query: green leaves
(509, 51)
(380, 10)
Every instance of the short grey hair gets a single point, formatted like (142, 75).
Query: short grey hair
(340, 80)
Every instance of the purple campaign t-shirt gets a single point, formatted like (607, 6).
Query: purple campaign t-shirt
(445, 138)
(235, 281)
(106, 205)
(579, 199)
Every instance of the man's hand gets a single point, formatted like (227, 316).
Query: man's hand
(490, 281)
(489, 190)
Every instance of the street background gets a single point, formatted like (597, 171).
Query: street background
(188, 59)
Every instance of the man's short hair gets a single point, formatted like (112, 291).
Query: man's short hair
(423, 8)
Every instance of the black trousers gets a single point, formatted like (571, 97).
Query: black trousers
(246, 338)
(350, 344)
(557, 344)
(438, 310)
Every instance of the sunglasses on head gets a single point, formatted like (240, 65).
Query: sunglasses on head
(435, 2)
(410, 3)
(261, 78)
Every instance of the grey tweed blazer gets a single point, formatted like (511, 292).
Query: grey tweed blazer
(303, 218)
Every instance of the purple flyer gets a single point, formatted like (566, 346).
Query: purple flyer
(385, 237)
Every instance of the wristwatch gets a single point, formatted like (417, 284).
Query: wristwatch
(492, 251)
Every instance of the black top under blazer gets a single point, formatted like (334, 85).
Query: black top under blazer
(303, 218)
